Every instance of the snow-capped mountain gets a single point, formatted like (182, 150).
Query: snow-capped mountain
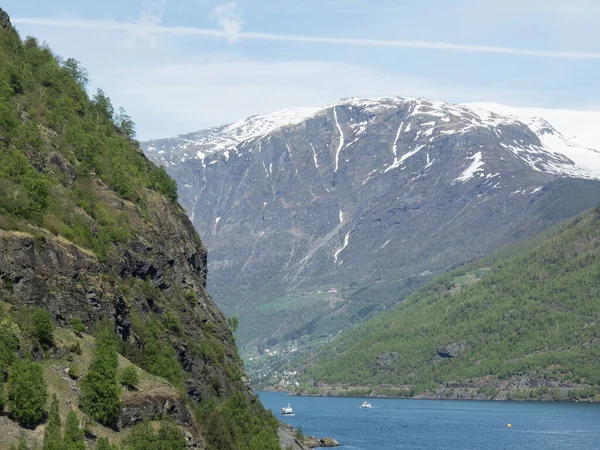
(576, 137)
(200, 144)
(580, 127)
(368, 196)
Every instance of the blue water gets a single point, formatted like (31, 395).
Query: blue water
(441, 424)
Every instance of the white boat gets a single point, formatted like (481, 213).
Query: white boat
(366, 405)
(287, 410)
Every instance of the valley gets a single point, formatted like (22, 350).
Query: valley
(371, 198)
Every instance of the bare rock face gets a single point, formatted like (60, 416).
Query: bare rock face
(288, 438)
(314, 442)
(152, 406)
(385, 361)
(4, 20)
(40, 269)
(451, 350)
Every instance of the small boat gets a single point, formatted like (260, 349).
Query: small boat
(287, 410)
(366, 405)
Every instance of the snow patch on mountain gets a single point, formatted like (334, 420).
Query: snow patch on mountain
(574, 134)
(563, 135)
(474, 167)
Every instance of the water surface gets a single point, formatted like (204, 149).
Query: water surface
(442, 424)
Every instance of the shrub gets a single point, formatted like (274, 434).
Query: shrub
(43, 326)
(103, 444)
(172, 323)
(52, 437)
(27, 392)
(10, 335)
(73, 370)
(99, 389)
(74, 438)
(130, 378)
(143, 437)
(77, 325)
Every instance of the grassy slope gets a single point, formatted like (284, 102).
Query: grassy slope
(66, 388)
(535, 313)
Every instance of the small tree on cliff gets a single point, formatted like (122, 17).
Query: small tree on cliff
(27, 392)
(74, 438)
(100, 388)
(52, 437)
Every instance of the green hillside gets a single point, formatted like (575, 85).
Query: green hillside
(521, 323)
(106, 329)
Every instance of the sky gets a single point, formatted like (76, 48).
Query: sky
(178, 66)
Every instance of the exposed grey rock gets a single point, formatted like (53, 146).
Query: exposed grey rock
(386, 360)
(313, 442)
(4, 20)
(451, 350)
(288, 438)
(153, 406)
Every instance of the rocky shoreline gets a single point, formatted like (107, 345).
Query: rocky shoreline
(458, 391)
(290, 439)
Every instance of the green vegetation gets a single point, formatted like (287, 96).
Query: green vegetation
(100, 389)
(55, 141)
(10, 335)
(71, 172)
(27, 392)
(130, 378)
(43, 326)
(236, 424)
(532, 308)
(77, 325)
(103, 444)
(52, 437)
(74, 438)
(143, 437)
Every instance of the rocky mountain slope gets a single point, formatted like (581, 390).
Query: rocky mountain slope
(92, 238)
(522, 323)
(323, 218)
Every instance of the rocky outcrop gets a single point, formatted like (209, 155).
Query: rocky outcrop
(289, 439)
(153, 406)
(4, 20)
(40, 269)
(386, 360)
(451, 350)
(314, 442)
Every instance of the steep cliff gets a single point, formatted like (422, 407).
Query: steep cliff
(91, 231)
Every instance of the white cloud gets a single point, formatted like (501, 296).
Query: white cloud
(229, 19)
(169, 91)
(151, 16)
(231, 31)
(181, 97)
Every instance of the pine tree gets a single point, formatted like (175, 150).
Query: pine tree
(100, 389)
(74, 438)
(9, 344)
(170, 436)
(103, 444)
(27, 392)
(52, 437)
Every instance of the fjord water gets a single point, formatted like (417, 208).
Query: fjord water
(441, 424)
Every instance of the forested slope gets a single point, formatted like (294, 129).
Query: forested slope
(523, 322)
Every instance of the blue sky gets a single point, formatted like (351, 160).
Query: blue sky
(182, 65)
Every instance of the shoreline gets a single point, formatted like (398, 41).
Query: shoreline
(464, 394)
